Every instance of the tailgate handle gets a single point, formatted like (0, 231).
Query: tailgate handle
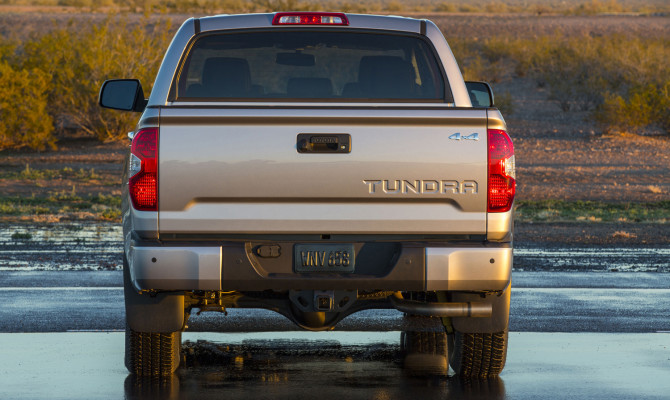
(324, 143)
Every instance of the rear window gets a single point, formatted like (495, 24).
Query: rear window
(301, 64)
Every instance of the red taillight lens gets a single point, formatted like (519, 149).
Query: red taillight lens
(309, 18)
(144, 143)
(143, 182)
(502, 173)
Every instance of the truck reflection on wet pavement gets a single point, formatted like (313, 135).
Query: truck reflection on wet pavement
(308, 369)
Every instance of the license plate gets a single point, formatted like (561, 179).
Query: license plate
(324, 258)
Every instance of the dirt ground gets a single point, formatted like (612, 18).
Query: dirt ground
(549, 234)
(562, 155)
(104, 160)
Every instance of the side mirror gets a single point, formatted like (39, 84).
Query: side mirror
(122, 94)
(480, 93)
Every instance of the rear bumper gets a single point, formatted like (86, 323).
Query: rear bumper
(454, 268)
(233, 266)
(175, 268)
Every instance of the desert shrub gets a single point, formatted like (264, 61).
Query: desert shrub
(479, 62)
(479, 68)
(24, 121)
(78, 60)
(355, 7)
(622, 81)
(394, 6)
(594, 7)
(7, 49)
(504, 102)
(572, 68)
(204, 6)
(605, 75)
(283, 5)
(644, 107)
(496, 7)
(576, 80)
(75, 3)
(445, 7)
(467, 8)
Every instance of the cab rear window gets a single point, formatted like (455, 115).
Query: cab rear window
(307, 64)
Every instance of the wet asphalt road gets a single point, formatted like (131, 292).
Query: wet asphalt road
(332, 365)
(585, 323)
(67, 278)
(50, 301)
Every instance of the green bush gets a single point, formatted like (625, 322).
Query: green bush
(623, 81)
(79, 62)
(576, 80)
(24, 121)
(644, 107)
(476, 64)
(594, 7)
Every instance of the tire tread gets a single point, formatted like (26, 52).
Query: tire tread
(478, 355)
(151, 353)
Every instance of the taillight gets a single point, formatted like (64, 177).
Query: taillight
(143, 170)
(309, 18)
(502, 175)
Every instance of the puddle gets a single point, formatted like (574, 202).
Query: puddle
(59, 234)
(62, 247)
(96, 246)
(585, 259)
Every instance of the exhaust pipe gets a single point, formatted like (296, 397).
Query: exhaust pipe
(469, 309)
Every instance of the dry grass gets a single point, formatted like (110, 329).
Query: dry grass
(624, 235)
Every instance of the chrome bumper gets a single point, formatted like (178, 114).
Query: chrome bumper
(200, 268)
(467, 268)
(176, 268)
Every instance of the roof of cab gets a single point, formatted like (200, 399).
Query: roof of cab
(242, 21)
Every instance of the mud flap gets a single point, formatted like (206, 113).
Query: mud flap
(498, 322)
(162, 313)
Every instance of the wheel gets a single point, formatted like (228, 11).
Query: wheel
(425, 342)
(478, 355)
(149, 353)
(425, 353)
(152, 354)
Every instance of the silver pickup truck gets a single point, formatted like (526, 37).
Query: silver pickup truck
(316, 165)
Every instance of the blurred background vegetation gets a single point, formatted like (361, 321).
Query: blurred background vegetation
(567, 7)
(49, 80)
(623, 81)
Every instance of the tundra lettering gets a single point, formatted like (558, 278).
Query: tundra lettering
(419, 186)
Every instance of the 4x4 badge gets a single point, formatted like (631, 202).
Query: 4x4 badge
(457, 136)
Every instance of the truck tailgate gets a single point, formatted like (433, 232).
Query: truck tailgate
(231, 170)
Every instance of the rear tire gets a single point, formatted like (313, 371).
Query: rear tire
(151, 353)
(478, 355)
(425, 342)
(425, 353)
